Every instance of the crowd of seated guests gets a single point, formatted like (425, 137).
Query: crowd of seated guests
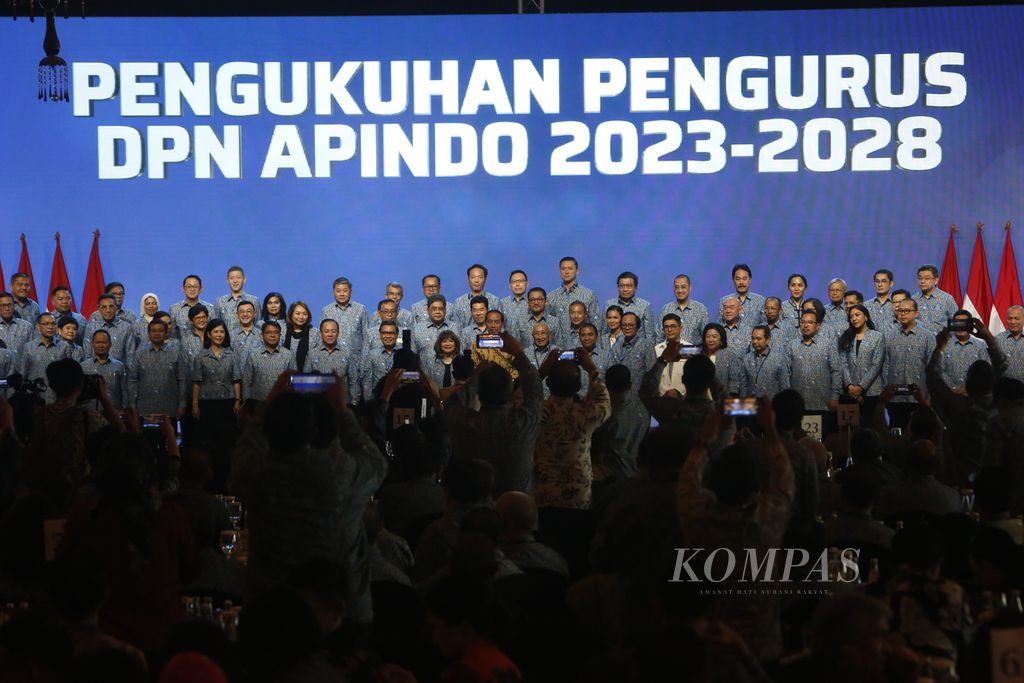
(516, 521)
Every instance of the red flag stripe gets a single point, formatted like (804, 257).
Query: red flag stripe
(59, 275)
(94, 282)
(949, 281)
(1008, 285)
(979, 286)
(25, 266)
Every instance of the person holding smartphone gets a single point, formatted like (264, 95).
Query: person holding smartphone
(962, 351)
(494, 324)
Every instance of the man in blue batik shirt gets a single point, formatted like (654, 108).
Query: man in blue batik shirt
(765, 369)
(562, 297)
(515, 307)
(387, 312)
(635, 351)
(156, 375)
(394, 291)
(227, 305)
(780, 330)
(1011, 341)
(629, 302)
(114, 371)
(425, 333)
(328, 358)
(116, 289)
(477, 324)
(431, 285)
(961, 352)
(244, 328)
(751, 304)
(537, 300)
(14, 332)
(815, 369)
(41, 351)
(263, 366)
(692, 314)
(62, 301)
(350, 316)
(476, 277)
(122, 334)
(24, 307)
(379, 360)
(835, 311)
(880, 305)
(934, 306)
(192, 286)
(907, 350)
(736, 331)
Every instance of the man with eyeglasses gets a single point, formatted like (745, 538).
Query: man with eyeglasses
(41, 351)
(934, 305)
(635, 352)
(425, 333)
(537, 301)
(515, 306)
(192, 286)
(907, 350)
(431, 285)
(14, 332)
(122, 334)
(629, 302)
(116, 289)
(672, 375)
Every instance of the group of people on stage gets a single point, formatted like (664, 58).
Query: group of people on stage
(224, 352)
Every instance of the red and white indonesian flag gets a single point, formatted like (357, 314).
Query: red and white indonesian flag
(978, 299)
(949, 280)
(1008, 286)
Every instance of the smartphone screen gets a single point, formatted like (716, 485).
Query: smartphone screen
(489, 341)
(739, 407)
(312, 382)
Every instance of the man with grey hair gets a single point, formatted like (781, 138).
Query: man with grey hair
(394, 291)
(1012, 342)
(737, 333)
(835, 313)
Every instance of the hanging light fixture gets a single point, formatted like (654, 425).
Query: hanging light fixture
(53, 70)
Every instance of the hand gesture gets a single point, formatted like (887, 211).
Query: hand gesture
(982, 332)
(511, 344)
(586, 361)
(671, 352)
(283, 384)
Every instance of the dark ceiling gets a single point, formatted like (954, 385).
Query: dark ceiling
(97, 8)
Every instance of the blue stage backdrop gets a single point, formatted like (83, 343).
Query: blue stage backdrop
(829, 142)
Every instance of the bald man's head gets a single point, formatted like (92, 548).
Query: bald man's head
(519, 512)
